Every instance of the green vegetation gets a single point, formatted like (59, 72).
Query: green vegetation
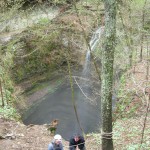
(7, 98)
(9, 112)
(38, 54)
(132, 131)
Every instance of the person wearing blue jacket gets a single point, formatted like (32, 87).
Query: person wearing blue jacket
(56, 144)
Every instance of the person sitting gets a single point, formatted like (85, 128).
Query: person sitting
(52, 126)
(56, 144)
(77, 141)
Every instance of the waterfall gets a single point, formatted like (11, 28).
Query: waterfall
(87, 95)
(85, 85)
(86, 66)
(96, 37)
(93, 43)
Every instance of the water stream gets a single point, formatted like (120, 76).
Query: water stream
(93, 43)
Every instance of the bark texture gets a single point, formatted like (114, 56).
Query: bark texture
(107, 73)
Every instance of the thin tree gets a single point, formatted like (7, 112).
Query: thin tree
(107, 73)
(1, 89)
(127, 34)
(142, 34)
(148, 61)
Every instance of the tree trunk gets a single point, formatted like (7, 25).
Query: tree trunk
(1, 89)
(142, 34)
(128, 38)
(148, 61)
(107, 73)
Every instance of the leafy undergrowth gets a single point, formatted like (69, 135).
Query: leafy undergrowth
(127, 135)
(9, 112)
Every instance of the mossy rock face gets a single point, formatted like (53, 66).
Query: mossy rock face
(35, 54)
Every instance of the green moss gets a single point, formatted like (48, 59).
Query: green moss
(39, 53)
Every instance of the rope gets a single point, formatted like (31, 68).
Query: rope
(105, 135)
(87, 141)
(74, 145)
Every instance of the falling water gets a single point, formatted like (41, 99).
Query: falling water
(85, 84)
(93, 43)
(96, 37)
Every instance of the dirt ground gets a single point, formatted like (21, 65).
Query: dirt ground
(17, 136)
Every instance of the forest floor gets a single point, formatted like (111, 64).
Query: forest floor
(128, 132)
